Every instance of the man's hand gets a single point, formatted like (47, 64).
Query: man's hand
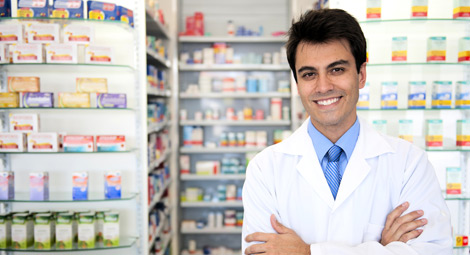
(285, 242)
(402, 228)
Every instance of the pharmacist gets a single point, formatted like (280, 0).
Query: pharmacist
(336, 186)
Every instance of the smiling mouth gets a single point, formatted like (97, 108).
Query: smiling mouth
(328, 101)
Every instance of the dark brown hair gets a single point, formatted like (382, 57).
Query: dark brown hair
(323, 26)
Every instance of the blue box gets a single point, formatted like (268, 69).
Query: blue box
(67, 9)
(127, 16)
(33, 8)
(80, 186)
(5, 8)
(112, 185)
(102, 11)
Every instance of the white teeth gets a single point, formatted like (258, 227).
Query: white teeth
(329, 101)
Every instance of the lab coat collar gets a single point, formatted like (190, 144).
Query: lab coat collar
(369, 144)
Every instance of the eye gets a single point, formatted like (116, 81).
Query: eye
(337, 70)
(308, 75)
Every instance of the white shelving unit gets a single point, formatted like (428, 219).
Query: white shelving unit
(220, 177)
(235, 123)
(206, 231)
(234, 95)
(234, 67)
(223, 150)
(231, 204)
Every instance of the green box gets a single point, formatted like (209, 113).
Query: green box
(111, 229)
(5, 230)
(22, 231)
(86, 230)
(43, 231)
(65, 231)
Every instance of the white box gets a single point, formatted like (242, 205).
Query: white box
(4, 54)
(24, 123)
(99, 55)
(207, 167)
(43, 142)
(43, 33)
(61, 53)
(11, 33)
(12, 142)
(27, 53)
(79, 34)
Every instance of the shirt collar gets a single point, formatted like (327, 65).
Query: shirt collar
(347, 142)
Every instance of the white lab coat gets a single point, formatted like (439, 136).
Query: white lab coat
(383, 172)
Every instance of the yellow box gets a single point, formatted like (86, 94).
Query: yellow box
(9, 100)
(92, 85)
(74, 100)
(23, 84)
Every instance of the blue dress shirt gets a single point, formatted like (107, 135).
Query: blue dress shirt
(347, 142)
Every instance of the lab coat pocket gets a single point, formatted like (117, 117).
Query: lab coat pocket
(373, 232)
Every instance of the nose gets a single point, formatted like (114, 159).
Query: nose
(323, 84)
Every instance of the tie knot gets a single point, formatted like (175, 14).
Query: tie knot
(333, 153)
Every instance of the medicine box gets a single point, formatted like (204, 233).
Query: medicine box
(24, 122)
(405, 130)
(110, 143)
(74, 100)
(68, 9)
(37, 99)
(434, 134)
(11, 33)
(44, 227)
(7, 186)
(65, 231)
(111, 229)
(61, 53)
(5, 230)
(78, 143)
(39, 186)
(380, 126)
(454, 178)
(106, 100)
(185, 164)
(33, 8)
(462, 94)
(436, 49)
(79, 34)
(102, 11)
(12, 142)
(417, 95)
(99, 219)
(399, 49)
(4, 53)
(127, 16)
(419, 8)
(374, 9)
(23, 229)
(99, 55)
(9, 100)
(80, 186)
(207, 167)
(463, 134)
(389, 95)
(23, 84)
(461, 9)
(464, 49)
(442, 94)
(43, 142)
(5, 8)
(112, 185)
(364, 97)
(92, 85)
(86, 230)
(42, 33)
(27, 53)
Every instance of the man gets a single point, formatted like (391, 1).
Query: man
(336, 186)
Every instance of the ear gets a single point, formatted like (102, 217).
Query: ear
(362, 75)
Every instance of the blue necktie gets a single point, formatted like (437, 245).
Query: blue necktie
(332, 174)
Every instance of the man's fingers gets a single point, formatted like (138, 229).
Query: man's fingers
(281, 229)
(410, 235)
(403, 229)
(397, 212)
(257, 237)
(405, 219)
(256, 248)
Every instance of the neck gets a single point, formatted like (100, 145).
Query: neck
(334, 132)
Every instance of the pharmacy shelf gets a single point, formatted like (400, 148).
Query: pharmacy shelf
(407, 109)
(158, 233)
(159, 195)
(233, 204)
(64, 197)
(461, 247)
(155, 27)
(157, 127)
(235, 123)
(415, 20)
(203, 150)
(165, 244)
(233, 67)
(158, 93)
(124, 242)
(225, 230)
(406, 64)
(154, 57)
(63, 109)
(234, 95)
(457, 198)
(232, 39)
(48, 65)
(157, 162)
(62, 152)
(93, 22)
(220, 177)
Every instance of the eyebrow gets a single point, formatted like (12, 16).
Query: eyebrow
(336, 63)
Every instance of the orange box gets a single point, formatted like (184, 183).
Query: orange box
(23, 84)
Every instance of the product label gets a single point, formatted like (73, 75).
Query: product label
(113, 185)
(67, 9)
(79, 34)
(111, 101)
(453, 181)
(11, 33)
(37, 100)
(461, 9)
(399, 48)
(102, 11)
(32, 8)
(436, 49)
(389, 95)
(417, 95)
(442, 94)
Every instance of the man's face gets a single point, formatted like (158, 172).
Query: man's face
(329, 84)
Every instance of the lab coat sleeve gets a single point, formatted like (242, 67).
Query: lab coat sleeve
(258, 200)
(421, 189)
